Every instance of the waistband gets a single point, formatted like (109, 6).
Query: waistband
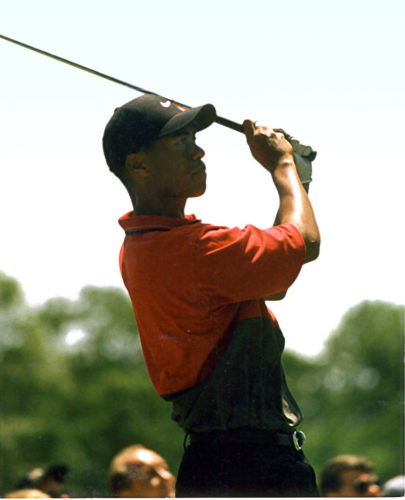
(294, 440)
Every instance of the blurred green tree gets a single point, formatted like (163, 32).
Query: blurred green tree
(352, 394)
(75, 390)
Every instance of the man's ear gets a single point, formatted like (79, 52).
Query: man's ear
(135, 165)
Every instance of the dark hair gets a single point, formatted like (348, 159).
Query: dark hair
(331, 474)
(119, 482)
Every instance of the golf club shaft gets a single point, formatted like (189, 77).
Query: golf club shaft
(219, 119)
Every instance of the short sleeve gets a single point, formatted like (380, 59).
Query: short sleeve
(235, 265)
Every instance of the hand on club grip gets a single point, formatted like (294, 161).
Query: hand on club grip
(269, 147)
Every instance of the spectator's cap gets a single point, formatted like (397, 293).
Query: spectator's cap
(395, 487)
(36, 476)
(136, 123)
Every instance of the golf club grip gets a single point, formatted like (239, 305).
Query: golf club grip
(229, 123)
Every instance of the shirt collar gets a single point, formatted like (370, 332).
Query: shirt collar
(132, 222)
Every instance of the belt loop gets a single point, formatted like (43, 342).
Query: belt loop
(298, 438)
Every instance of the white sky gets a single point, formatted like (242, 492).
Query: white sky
(329, 72)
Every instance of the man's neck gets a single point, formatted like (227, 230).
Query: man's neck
(172, 207)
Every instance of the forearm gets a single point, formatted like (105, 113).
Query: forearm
(295, 207)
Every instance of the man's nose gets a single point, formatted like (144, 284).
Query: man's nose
(198, 153)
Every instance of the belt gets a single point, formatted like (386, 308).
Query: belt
(255, 436)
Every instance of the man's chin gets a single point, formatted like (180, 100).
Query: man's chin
(198, 193)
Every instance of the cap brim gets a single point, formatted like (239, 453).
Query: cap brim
(200, 117)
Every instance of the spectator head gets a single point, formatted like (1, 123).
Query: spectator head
(50, 481)
(139, 472)
(395, 487)
(27, 493)
(349, 476)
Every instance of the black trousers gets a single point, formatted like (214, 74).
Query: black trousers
(242, 469)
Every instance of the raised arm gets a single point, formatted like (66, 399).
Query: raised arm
(272, 150)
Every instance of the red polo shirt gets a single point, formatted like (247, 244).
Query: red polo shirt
(189, 282)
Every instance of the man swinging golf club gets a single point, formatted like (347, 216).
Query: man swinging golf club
(211, 346)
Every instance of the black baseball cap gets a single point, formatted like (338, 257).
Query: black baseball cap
(136, 123)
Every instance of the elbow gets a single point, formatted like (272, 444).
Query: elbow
(276, 296)
(312, 249)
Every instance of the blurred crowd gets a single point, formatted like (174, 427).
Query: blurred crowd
(138, 472)
(135, 472)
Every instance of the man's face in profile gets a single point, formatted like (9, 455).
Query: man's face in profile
(357, 483)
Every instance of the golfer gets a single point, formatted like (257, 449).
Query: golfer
(211, 346)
